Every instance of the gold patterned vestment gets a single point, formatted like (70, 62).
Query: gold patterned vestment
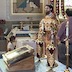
(46, 25)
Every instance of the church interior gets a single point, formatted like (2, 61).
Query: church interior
(35, 36)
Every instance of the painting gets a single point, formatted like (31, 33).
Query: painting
(68, 4)
(27, 7)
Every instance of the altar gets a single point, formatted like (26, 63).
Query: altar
(39, 66)
(43, 67)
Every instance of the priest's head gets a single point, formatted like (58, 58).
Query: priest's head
(48, 9)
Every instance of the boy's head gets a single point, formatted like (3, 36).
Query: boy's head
(12, 38)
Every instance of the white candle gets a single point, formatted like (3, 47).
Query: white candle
(67, 29)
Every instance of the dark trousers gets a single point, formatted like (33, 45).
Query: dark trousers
(62, 52)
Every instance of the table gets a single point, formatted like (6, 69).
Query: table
(42, 66)
(39, 66)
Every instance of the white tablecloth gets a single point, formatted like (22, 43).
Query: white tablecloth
(39, 66)
(43, 67)
(24, 41)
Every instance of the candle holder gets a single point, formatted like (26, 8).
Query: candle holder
(67, 70)
(60, 10)
(21, 25)
(31, 26)
(67, 47)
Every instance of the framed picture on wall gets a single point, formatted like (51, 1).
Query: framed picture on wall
(68, 4)
(27, 7)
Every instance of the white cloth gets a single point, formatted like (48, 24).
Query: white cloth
(25, 41)
(51, 14)
(10, 46)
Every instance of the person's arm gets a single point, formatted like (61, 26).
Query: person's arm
(9, 47)
(61, 30)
